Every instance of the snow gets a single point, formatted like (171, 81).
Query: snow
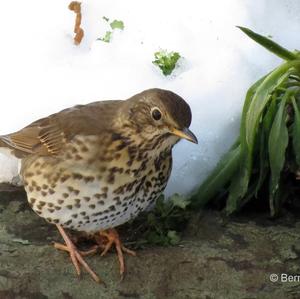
(42, 71)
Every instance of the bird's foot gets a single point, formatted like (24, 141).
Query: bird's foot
(63, 247)
(113, 238)
(76, 255)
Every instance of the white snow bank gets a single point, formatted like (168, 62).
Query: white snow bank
(43, 72)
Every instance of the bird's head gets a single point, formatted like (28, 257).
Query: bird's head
(157, 113)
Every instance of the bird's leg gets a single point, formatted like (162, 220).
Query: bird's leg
(112, 237)
(91, 251)
(75, 240)
(75, 255)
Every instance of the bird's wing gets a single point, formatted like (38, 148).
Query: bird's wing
(49, 135)
(41, 137)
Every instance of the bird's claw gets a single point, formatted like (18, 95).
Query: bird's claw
(113, 238)
(75, 255)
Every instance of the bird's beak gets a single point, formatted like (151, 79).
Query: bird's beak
(186, 134)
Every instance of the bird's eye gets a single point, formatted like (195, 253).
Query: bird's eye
(156, 114)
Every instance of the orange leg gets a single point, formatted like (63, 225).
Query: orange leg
(113, 238)
(75, 254)
(63, 247)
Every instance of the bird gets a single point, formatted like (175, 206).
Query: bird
(93, 167)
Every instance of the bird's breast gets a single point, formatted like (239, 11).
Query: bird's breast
(91, 189)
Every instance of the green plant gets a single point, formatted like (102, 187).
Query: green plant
(162, 225)
(267, 152)
(166, 61)
(115, 24)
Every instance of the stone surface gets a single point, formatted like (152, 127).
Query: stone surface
(218, 257)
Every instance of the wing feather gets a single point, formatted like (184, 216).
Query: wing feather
(38, 138)
(48, 136)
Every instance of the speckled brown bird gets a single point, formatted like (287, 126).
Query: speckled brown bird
(93, 167)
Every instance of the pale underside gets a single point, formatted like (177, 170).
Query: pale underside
(83, 196)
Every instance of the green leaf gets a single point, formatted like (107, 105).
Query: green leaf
(151, 219)
(263, 160)
(156, 238)
(238, 187)
(166, 61)
(275, 199)
(252, 113)
(251, 191)
(258, 119)
(107, 37)
(160, 204)
(257, 98)
(269, 44)
(173, 236)
(278, 141)
(240, 181)
(261, 98)
(264, 131)
(248, 100)
(179, 201)
(117, 25)
(218, 178)
(270, 114)
(296, 131)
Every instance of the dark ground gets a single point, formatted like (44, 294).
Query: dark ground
(218, 258)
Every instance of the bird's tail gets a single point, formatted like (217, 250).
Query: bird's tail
(2, 143)
(9, 169)
(5, 148)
